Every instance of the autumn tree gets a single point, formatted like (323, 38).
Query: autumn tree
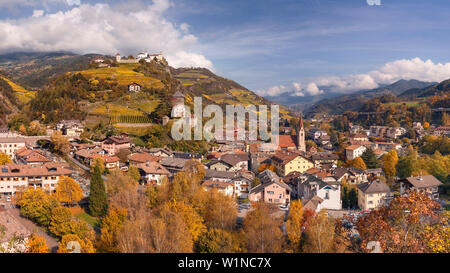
(134, 173)
(60, 143)
(262, 230)
(400, 226)
(217, 240)
(37, 244)
(98, 204)
(110, 227)
(117, 181)
(192, 219)
(389, 163)
(4, 159)
(60, 221)
(70, 242)
(265, 166)
(294, 225)
(437, 235)
(220, 211)
(319, 234)
(357, 163)
(37, 205)
(100, 163)
(68, 191)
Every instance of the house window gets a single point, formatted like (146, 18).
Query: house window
(327, 195)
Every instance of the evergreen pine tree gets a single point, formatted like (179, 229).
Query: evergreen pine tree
(98, 204)
(370, 159)
(353, 198)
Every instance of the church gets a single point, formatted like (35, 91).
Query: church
(294, 142)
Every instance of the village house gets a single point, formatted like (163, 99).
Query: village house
(320, 159)
(242, 183)
(139, 158)
(10, 145)
(160, 152)
(225, 188)
(359, 137)
(230, 162)
(373, 194)
(354, 151)
(271, 190)
(111, 162)
(152, 172)
(388, 146)
(14, 177)
(442, 131)
(427, 183)
(173, 165)
(395, 132)
(114, 144)
(287, 162)
(315, 133)
(311, 185)
(84, 155)
(219, 175)
(30, 157)
(70, 128)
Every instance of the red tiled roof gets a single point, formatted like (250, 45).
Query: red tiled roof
(287, 141)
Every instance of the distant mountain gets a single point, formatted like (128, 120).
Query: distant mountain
(34, 70)
(433, 90)
(352, 102)
(9, 102)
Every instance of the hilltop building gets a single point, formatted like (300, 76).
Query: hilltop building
(141, 56)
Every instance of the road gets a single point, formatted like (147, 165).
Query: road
(51, 242)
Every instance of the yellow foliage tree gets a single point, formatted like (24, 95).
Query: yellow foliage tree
(37, 244)
(68, 191)
(60, 143)
(358, 163)
(111, 226)
(61, 219)
(390, 162)
(71, 243)
(294, 225)
(193, 220)
(4, 159)
(319, 234)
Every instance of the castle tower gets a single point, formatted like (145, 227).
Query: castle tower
(301, 146)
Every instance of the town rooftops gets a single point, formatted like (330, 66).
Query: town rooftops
(287, 141)
(267, 178)
(106, 158)
(174, 163)
(153, 167)
(210, 174)
(352, 147)
(16, 170)
(424, 181)
(216, 184)
(312, 203)
(143, 157)
(31, 156)
(233, 159)
(324, 156)
(117, 140)
(285, 157)
(374, 187)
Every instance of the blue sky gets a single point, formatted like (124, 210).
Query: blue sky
(290, 45)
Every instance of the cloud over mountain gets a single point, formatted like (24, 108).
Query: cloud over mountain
(101, 28)
(406, 69)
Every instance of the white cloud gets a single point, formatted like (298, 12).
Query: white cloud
(273, 91)
(391, 72)
(101, 28)
(38, 13)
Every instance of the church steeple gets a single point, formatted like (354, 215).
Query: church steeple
(301, 146)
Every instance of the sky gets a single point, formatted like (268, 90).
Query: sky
(273, 47)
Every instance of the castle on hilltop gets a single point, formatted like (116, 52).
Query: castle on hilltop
(141, 56)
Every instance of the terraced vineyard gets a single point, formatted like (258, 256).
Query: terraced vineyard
(23, 95)
(123, 75)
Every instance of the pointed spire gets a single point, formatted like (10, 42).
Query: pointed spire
(300, 123)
